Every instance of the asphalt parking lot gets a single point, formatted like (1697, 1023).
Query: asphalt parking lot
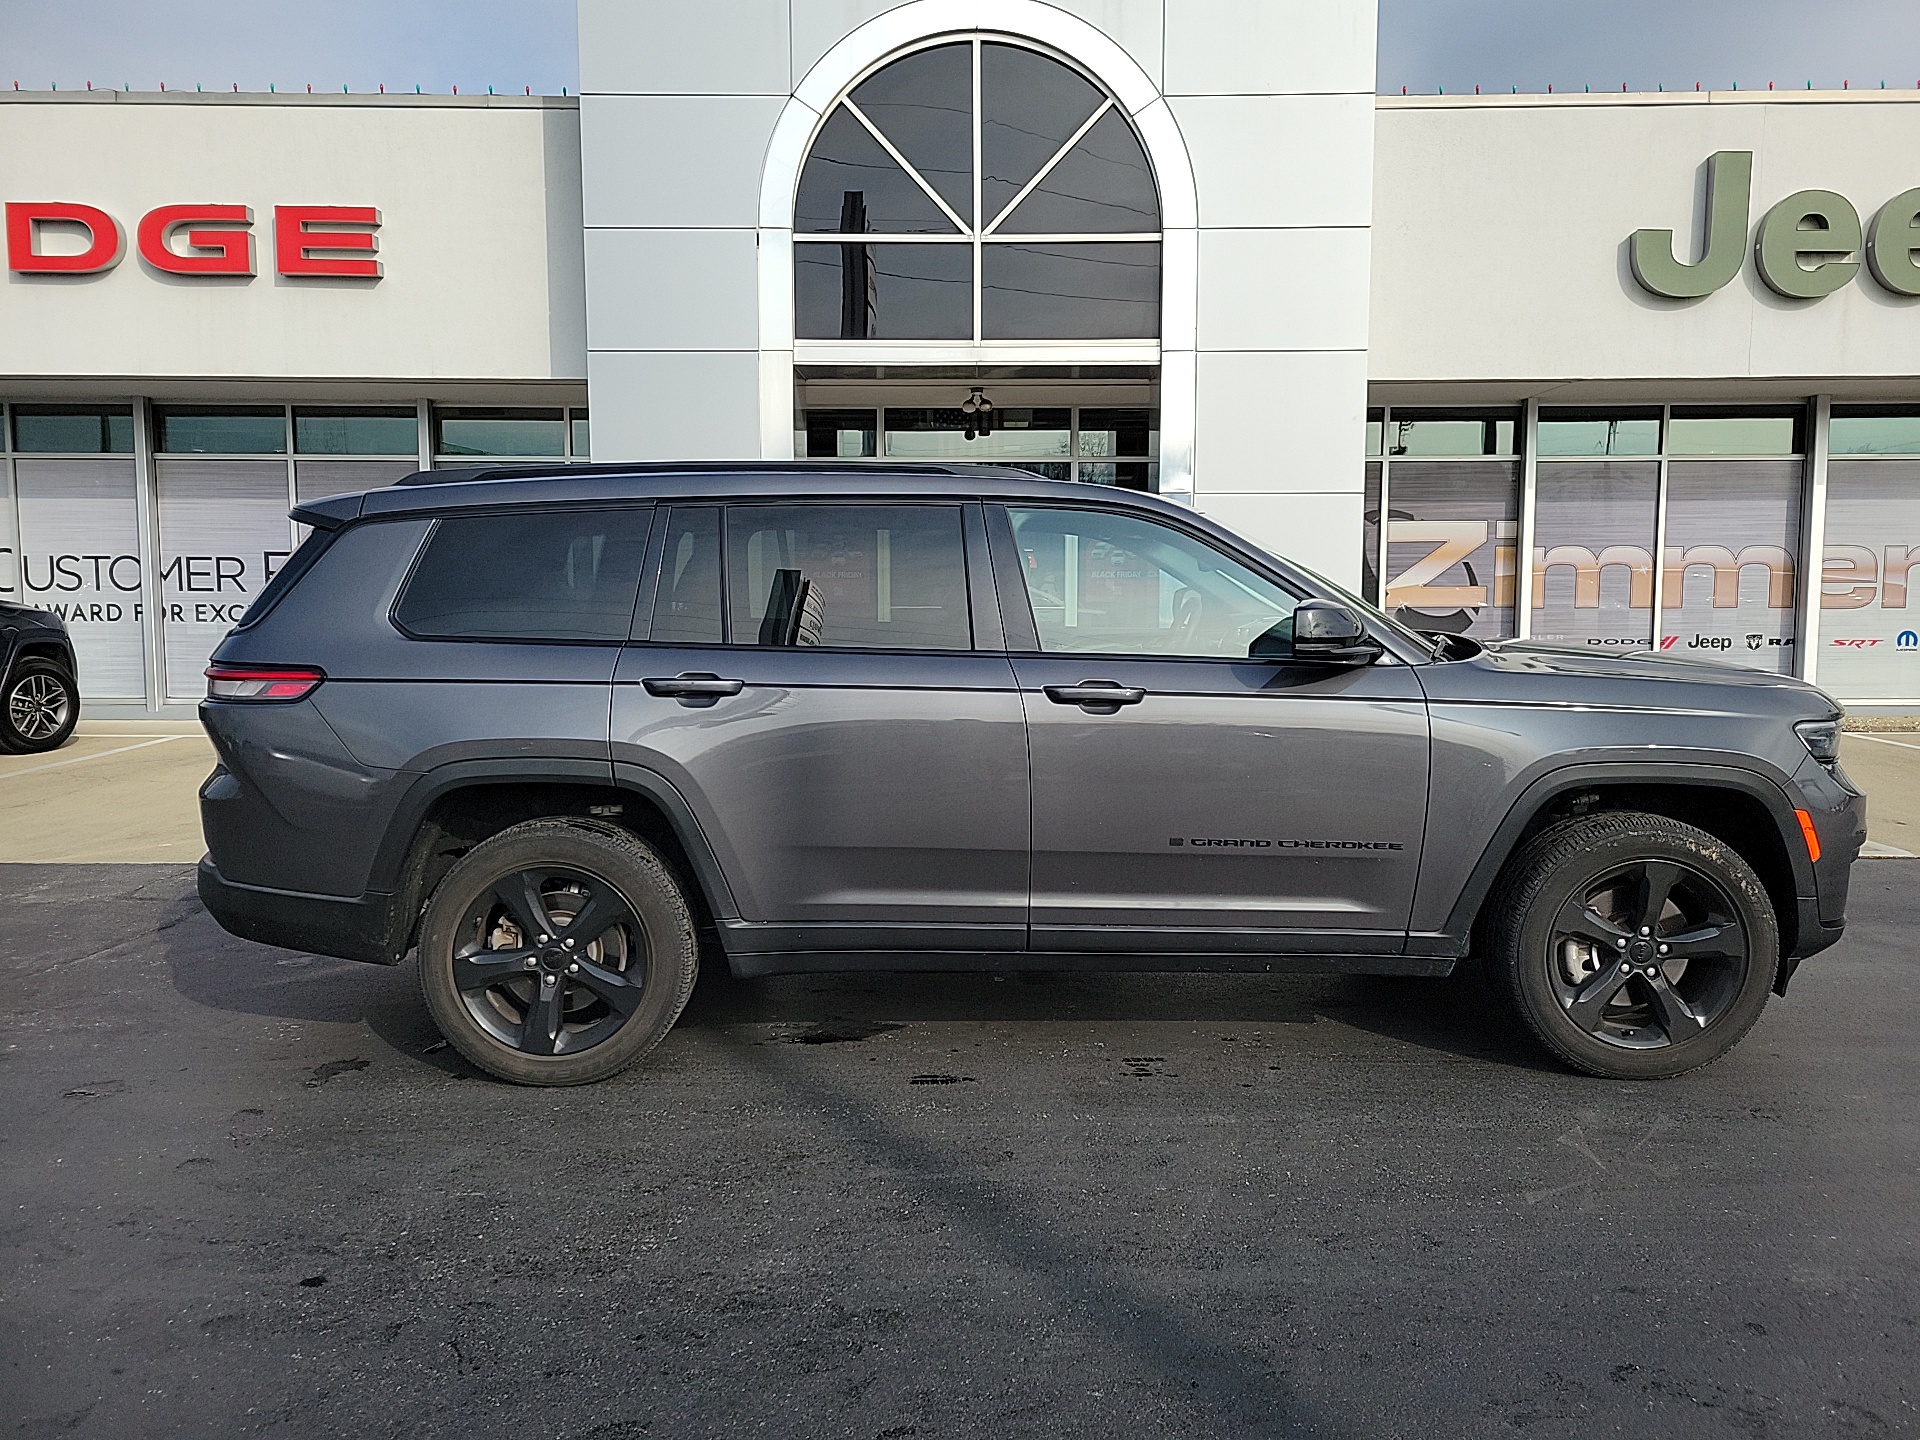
(247, 1192)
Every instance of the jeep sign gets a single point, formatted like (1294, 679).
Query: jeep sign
(1806, 245)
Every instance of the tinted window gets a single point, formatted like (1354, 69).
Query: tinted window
(73, 429)
(528, 575)
(889, 577)
(883, 292)
(1594, 432)
(220, 430)
(1115, 585)
(468, 430)
(839, 434)
(851, 186)
(386, 431)
(924, 105)
(1443, 432)
(1070, 292)
(1704, 430)
(687, 611)
(1875, 430)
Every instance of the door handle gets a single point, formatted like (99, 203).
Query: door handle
(693, 686)
(1100, 697)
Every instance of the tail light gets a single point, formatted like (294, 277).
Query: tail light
(262, 682)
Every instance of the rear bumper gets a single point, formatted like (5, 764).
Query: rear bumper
(351, 928)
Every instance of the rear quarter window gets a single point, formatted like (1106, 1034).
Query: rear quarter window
(527, 575)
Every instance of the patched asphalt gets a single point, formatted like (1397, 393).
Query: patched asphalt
(247, 1192)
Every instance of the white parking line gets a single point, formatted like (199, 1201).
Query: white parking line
(1874, 850)
(1881, 739)
(98, 755)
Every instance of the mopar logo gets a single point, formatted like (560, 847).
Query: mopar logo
(1907, 640)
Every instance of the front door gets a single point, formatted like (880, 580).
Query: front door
(1188, 797)
(816, 683)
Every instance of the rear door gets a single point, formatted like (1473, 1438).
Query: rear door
(826, 686)
(1194, 789)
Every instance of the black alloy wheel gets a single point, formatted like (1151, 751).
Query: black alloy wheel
(1631, 945)
(554, 961)
(1648, 954)
(39, 708)
(558, 952)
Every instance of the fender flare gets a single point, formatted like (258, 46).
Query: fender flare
(686, 828)
(1555, 783)
(387, 875)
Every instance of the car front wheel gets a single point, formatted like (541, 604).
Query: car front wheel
(39, 708)
(557, 953)
(1631, 945)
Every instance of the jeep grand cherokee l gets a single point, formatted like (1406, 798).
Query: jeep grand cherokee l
(568, 733)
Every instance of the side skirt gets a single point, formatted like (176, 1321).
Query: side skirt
(949, 961)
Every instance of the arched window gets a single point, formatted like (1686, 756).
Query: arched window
(1015, 200)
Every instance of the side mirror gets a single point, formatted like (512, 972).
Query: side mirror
(1326, 632)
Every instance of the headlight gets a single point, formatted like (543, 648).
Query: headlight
(1822, 739)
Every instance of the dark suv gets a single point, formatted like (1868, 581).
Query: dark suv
(569, 731)
(39, 697)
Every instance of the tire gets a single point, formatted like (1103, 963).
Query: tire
(1632, 946)
(39, 707)
(550, 1007)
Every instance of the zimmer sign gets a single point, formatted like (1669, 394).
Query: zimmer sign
(1806, 246)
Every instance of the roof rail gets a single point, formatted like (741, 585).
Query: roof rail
(468, 474)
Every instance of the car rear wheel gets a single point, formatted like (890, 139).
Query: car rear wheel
(557, 953)
(1632, 946)
(39, 708)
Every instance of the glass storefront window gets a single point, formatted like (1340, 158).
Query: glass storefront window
(1732, 547)
(940, 434)
(1128, 476)
(1048, 154)
(1119, 432)
(1599, 432)
(391, 430)
(220, 429)
(838, 434)
(499, 431)
(883, 292)
(1452, 532)
(317, 479)
(1593, 553)
(1095, 445)
(80, 558)
(1451, 432)
(580, 441)
(1869, 602)
(73, 429)
(1875, 430)
(223, 533)
(1370, 535)
(1070, 292)
(1376, 430)
(1717, 430)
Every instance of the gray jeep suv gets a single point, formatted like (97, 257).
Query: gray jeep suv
(569, 732)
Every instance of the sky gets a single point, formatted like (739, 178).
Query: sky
(515, 44)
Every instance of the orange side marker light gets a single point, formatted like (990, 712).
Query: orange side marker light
(1806, 829)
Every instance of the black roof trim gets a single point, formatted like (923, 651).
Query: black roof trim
(470, 474)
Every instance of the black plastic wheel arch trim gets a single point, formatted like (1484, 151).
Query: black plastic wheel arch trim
(1549, 787)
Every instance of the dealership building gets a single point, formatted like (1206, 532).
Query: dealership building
(1606, 369)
